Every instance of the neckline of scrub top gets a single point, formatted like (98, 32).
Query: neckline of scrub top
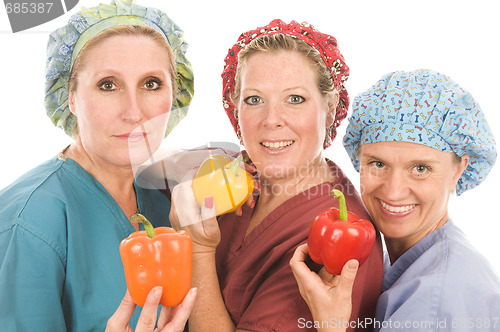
(74, 167)
(403, 263)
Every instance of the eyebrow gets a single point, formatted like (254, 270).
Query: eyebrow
(255, 90)
(413, 161)
(116, 73)
(156, 72)
(296, 88)
(247, 90)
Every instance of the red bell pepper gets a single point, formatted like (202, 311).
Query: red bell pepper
(157, 257)
(336, 236)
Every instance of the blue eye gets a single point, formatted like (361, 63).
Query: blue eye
(253, 100)
(377, 164)
(421, 169)
(295, 99)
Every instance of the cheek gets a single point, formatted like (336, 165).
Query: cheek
(367, 185)
(157, 115)
(316, 125)
(436, 192)
(91, 113)
(247, 124)
(158, 105)
(313, 124)
(310, 128)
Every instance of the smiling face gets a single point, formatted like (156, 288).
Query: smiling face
(406, 187)
(282, 113)
(122, 99)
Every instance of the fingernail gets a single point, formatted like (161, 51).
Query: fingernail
(239, 212)
(157, 291)
(253, 204)
(352, 265)
(209, 202)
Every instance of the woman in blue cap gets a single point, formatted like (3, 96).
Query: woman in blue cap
(117, 81)
(416, 137)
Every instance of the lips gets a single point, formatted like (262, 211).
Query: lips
(132, 137)
(397, 208)
(276, 145)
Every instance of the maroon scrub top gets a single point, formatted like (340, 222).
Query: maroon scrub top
(256, 281)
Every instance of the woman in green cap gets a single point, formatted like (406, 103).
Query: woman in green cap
(117, 81)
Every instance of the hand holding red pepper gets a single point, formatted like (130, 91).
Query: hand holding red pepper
(336, 236)
(327, 297)
(157, 257)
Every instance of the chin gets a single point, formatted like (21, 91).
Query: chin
(278, 171)
(138, 156)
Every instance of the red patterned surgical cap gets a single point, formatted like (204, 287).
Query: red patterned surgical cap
(325, 44)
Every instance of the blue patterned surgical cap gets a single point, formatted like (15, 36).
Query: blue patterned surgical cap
(428, 108)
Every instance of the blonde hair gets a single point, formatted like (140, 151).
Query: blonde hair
(281, 42)
(121, 30)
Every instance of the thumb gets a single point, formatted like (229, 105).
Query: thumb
(208, 208)
(347, 277)
(147, 319)
(343, 291)
(210, 226)
(121, 317)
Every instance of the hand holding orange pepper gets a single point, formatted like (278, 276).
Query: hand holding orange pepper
(157, 257)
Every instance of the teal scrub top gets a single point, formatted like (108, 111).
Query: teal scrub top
(60, 266)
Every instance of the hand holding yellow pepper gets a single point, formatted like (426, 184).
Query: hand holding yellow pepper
(224, 180)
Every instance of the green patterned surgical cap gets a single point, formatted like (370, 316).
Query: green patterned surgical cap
(65, 43)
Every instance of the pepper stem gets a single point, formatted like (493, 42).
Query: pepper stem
(139, 218)
(236, 164)
(342, 205)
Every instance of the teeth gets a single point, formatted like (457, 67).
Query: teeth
(397, 209)
(277, 145)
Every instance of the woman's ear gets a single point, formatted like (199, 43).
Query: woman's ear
(71, 103)
(238, 127)
(331, 102)
(461, 167)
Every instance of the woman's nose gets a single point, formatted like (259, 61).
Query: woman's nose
(396, 186)
(274, 115)
(132, 110)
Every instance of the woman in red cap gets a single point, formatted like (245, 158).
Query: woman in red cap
(283, 90)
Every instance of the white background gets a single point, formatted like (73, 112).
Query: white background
(457, 38)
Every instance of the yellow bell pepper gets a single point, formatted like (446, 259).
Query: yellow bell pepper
(223, 179)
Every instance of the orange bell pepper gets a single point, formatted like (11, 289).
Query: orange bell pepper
(157, 257)
(223, 179)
